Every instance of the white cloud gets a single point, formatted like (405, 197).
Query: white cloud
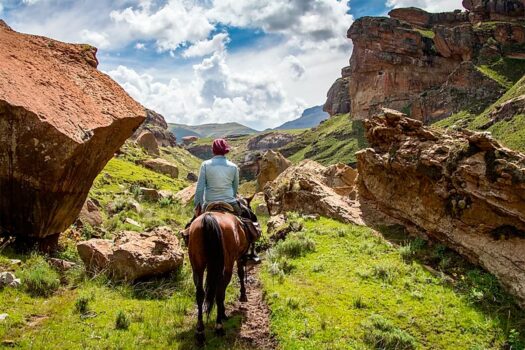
(30, 2)
(170, 26)
(206, 47)
(428, 5)
(307, 24)
(140, 46)
(215, 94)
(99, 40)
(295, 66)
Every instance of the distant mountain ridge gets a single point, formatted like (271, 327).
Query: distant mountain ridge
(310, 118)
(210, 130)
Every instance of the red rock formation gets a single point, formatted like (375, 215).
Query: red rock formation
(461, 188)
(272, 140)
(424, 63)
(61, 120)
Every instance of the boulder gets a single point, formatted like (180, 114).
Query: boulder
(188, 140)
(61, 265)
(148, 141)
(249, 166)
(132, 255)
(279, 227)
(162, 166)
(272, 140)
(192, 177)
(457, 187)
(270, 166)
(342, 179)
(186, 195)
(61, 121)
(150, 194)
(90, 214)
(261, 209)
(305, 188)
(8, 279)
(156, 124)
(338, 97)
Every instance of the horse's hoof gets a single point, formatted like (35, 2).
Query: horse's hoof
(200, 338)
(219, 331)
(243, 299)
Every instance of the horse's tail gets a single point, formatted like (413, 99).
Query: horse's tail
(214, 258)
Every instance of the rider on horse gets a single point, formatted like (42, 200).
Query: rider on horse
(218, 183)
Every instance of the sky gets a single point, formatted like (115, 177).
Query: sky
(256, 62)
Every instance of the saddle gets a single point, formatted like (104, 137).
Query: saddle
(247, 218)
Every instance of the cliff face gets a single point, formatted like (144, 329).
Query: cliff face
(156, 124)
(61, 120)
(428, 64)
(460, 188)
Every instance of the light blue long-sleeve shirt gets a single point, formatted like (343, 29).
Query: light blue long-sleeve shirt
(218, 181)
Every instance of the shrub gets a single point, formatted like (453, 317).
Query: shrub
(386, 272)
(295, 246)
(82, 305)
(38, 278)
(382, 334)
(359, 303)
(122, 321)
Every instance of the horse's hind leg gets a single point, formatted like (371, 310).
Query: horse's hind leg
(198, 278)
(220, 296)
(240, 272)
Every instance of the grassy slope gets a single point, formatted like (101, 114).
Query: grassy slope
(510, 133)
(330, 296)
(509, 73)
(335, 140)
(160, 310)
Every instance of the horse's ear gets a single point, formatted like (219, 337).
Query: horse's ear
(250, 199)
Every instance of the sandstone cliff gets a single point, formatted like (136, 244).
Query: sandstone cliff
(61, 120)
(461, 188)
(431, 64)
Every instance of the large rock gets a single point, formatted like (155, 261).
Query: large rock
(305, 188)
(162, 166)
(90, 214)
(188, 140)
(461, 188)
(426, 63)
(148, 141)
(133, 255)
(186, 195)
(61, 121)
(270, 166)
(156, 124)
(272, 140)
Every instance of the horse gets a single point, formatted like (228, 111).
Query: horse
(216, 241)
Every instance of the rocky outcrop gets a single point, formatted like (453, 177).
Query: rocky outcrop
(249, 166)
(270, 166)
(61, 120)
(506, 111)
(338, 97)
(156, 124)
(305, 188)
(200, 151)
(161, 166)
(186, 196)
(495, 10)
(461, 188)
(132, 255)
(426, 64)
(272, 140)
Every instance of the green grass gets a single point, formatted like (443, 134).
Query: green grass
(357, 291)
(426, 33)
(336, 140)
(38, 278)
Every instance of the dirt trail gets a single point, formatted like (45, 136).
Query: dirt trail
(255, 327)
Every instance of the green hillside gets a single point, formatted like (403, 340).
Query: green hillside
(334, 141)
(510, 133)
(210, 130)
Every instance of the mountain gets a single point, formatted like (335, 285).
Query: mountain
(210, 130)
(310, 118)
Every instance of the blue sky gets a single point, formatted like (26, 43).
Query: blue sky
(257, 62)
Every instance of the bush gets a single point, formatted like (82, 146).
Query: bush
(122, 321)
(295, 246)
(382, 334)
(82, 305)
(38, 278)
(386, 272)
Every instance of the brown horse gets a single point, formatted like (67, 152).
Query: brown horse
(216, 241)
